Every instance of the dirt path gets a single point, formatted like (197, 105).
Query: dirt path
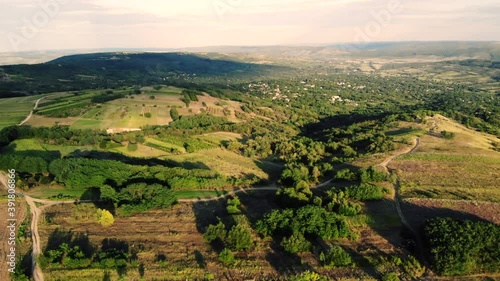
(31, 113)
(397, 197)
(35, 218)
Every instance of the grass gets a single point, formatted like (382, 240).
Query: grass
(219, 137)
(86, 124)
(141, 152)
(126, 112)
(26, 144)
(15, 110)
(463, 168)
(450, 158)
(53, 192)
(196, 194)
(165, 145)
(225, 162)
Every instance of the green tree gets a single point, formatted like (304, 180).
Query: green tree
(215, 231)
(239, 238)
(174, 114)
(296, 243)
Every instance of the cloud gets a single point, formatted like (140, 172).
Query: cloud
(160, 23)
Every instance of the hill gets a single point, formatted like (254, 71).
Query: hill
(111, 70)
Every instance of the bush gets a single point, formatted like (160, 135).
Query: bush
(132, 147)
(447, 135)
(307, 276)
(364, 192)
(226, 257)
(215, 231)
(336, 256)
(296, 243)
(104, 217)
(390, 277)
(239, 238)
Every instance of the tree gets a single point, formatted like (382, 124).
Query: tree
(215, 231)
(296, 243)
(239, 238)
(174, 114)
(132, 146)
(108, 193)
(104, 217)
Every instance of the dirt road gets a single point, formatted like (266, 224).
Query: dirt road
(397, 197)
(35, 218)
(31, 113)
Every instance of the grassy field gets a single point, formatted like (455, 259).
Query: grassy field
(55, 191)
(220, 137)
(198, 194)
(226, 162)
(465, 167)
(34, 147)
(15, 110)
(165, 145)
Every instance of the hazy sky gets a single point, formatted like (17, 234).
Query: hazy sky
(79, 24)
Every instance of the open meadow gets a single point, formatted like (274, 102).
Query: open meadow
(464, 167)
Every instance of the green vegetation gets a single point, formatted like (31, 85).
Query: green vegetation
(336, 257)
(463, 247)
(203, 125)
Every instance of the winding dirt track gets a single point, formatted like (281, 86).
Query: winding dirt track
(35, 218)
(397, 197)
(31, 113)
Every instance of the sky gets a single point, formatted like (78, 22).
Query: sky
(28, 25)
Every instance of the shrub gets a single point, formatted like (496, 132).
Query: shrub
(215, 231)
(307, 276)
(226, 257)
(336, 256)
(239, 238)
(132, 147)
(104, 217)
(390, 277)
(296, 243)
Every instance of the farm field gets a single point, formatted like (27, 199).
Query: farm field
(77, 111)
(15, 110)
(22, 214)
(165, 242)
(171, 241)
